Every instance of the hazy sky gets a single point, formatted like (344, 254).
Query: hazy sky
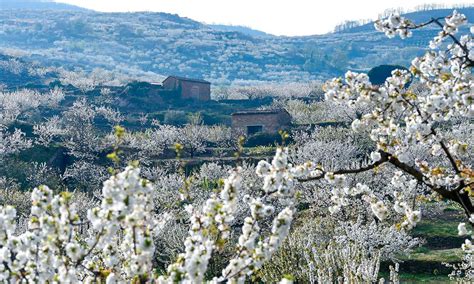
(279, 17)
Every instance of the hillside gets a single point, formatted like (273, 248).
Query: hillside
(159, 43)
(16, 73)
(239, 29)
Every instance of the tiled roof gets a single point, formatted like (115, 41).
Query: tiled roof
(188, 79)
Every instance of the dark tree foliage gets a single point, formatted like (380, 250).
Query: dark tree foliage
(379, 74)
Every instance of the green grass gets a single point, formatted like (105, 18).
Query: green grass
(452, 208)
(436, 229)
(424, 264)
(418, 277)
(259, 150)
(424, 278)
(442, 255)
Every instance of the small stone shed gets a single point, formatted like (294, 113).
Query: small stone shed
(188, 88)
(265, 121)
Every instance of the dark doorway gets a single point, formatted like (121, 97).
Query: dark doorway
(254, 129)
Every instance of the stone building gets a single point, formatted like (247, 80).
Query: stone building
(188, 88)
(266, 121)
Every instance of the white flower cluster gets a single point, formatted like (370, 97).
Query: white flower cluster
(467, 247)
(452, 23)
(447, 75)
(393, 25)
(252, 250)
(123, 227)
(49, 249)
(279, 176)
(462, 230)
(206, 228)
(118, 246)
(379, 208)
(465, 269)
(119, 243)
(405, 186)
(340, 195)
(412, 217)
(401, 118)
(341, 198)
(211, 226)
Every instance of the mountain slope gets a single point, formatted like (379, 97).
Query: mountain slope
(239, 29)
(147, 43)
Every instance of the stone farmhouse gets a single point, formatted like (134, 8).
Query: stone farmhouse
(187, 88)
(261, 121)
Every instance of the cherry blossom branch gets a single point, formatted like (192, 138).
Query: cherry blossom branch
(384, 158)
(452, 195)
(456, 40)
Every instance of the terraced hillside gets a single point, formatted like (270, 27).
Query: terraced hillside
(159, 43)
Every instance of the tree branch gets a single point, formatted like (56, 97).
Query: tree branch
(384, 158)
(461, 198)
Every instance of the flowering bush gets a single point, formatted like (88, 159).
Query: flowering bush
(119, 243)
(413, 130)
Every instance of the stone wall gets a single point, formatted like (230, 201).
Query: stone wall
(271, 122)
(195, 90)
(189, 89)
